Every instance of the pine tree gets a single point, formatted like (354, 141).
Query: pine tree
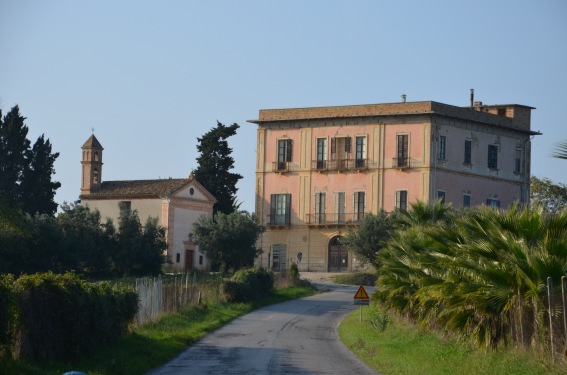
(14, 153)
(26, 172)
(38, 191)
(214, 167)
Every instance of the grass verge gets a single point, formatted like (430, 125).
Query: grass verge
(403, 348)
(154, 344)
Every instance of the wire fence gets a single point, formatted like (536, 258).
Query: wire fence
(172, 293)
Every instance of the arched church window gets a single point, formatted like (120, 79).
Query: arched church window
(96, 156)
(95, 176)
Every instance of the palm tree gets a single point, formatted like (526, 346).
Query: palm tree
(560, 150)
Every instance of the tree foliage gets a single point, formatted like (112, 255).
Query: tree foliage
(229, 241)
(550, 196)
(76, 240)
(369, 237)
(26, 171)
(560, 150)
(474, 273)
(214, 167)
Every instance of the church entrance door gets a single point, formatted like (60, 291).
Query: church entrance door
(189, 255)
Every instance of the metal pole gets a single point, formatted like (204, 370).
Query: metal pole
(360, 313)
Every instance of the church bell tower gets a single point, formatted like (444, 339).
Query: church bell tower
(92, 166)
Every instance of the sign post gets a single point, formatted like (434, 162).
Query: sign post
(361, 298)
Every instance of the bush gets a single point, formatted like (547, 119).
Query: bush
(231, 291)
(293, 271)
(255, 282)
(64, 317)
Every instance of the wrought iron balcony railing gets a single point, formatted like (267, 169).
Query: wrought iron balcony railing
(340, 218)
(339, 165)
(281, 166)
(401, 163)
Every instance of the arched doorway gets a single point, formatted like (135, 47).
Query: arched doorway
(338, 256)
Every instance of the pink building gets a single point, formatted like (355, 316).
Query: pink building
(319, 170)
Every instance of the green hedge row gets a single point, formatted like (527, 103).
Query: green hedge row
(56, 317)
(248, 284)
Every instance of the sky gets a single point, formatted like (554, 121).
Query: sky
(150, 77)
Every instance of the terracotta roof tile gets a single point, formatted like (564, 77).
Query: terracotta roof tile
(139, 188)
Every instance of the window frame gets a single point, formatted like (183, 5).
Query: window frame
(468, 152)
(466, 200)
(399, 194)
(443, 195)
(442, 154)
(359, 205)
(402, 149)
(280, 209)
(492, 161)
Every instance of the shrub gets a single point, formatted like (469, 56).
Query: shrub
(256, 282)
(231, 291)
(293, 271)
(63, 317)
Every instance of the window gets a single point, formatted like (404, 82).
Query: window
(320, 199)
(340, 206)
(359, 198)
(284, 153)
(518, 162)
(466, 200)
(279, 257)
(178, 257)
(280, 209)
(492, 157)
(468, 153)
(442, 144)
(441, 196)
(403, 150)
(360, 155)
(95, 176)
(493, 202)
(200, 260)
(402, 200)
(340, 151)
(321, 152)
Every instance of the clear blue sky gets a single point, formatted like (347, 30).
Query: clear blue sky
(152, 76)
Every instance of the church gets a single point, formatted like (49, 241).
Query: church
(177, 203)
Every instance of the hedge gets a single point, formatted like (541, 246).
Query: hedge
(248, 284)
(63, 317)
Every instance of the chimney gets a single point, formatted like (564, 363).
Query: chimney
(472, 98)
(403, 98)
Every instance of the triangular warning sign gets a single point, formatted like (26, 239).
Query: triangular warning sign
(361, 293)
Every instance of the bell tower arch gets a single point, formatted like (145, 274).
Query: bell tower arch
(92, 166)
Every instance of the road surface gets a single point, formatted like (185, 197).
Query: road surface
(294, 337)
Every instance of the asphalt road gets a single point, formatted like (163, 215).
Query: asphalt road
(295, 337)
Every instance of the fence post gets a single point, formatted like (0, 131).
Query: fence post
(551, 302)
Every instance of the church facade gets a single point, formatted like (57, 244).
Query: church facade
(177, 203)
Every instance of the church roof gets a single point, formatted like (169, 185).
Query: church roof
(92, 142)
(139, 188)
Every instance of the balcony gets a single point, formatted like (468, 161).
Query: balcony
(401, 163)
(339, 165)
(334, 219)
(281, 166)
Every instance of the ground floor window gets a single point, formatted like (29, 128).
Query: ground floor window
(279, 257)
